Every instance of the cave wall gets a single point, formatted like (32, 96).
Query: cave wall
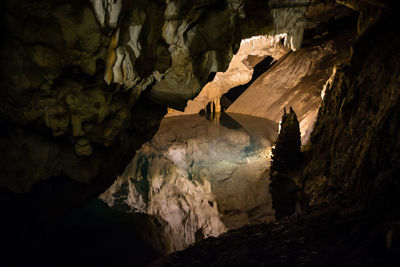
(354, 154)
(84, 83)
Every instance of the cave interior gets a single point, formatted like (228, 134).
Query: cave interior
(200, 133)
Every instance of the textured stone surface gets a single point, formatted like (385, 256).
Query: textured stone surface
(281, 20)
(185, 43)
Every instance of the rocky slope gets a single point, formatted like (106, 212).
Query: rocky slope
(320, 238)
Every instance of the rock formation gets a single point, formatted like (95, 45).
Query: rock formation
(199, 179)
(79, 72)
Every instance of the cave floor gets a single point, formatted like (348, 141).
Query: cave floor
(323, 237)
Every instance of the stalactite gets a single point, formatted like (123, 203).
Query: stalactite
(217, 110)
(290, 20)
(259, 42)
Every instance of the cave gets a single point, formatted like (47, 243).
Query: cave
(200, 133)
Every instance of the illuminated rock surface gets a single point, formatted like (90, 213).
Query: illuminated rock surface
(295, 80)
(199, 178)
